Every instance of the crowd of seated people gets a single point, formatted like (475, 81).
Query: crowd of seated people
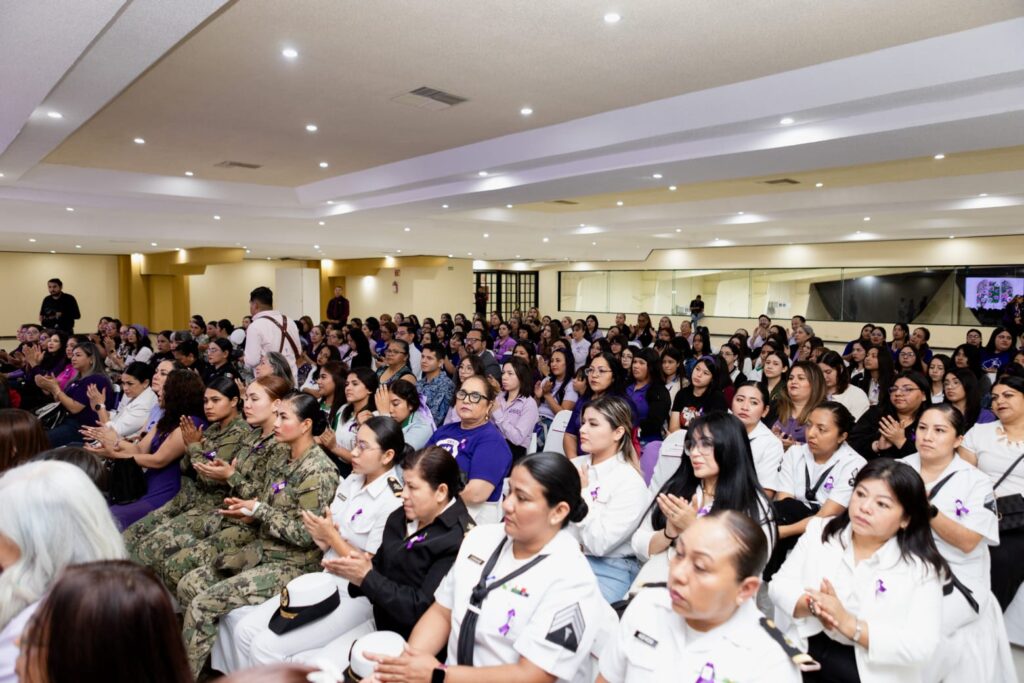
(517, 496)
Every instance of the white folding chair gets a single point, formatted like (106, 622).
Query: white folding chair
(532, 448)
(556, 431)
(669, 457)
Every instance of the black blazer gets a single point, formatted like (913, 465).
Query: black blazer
(865, 432)
(403, 579)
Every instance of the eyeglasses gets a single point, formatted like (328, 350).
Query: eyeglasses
(394, 351)
(470, 396)
(903, 390)
(598, 371)
(472, 340)
(364, 447)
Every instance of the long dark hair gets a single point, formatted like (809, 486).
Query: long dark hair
(922, 383)
(369, 379)
(570, 370)
(973, 355)
(338, 372)
(916, 540)
(114, 597)
(359, 340)
(972, 394)
(655, 375)
(229, 389)
(886, 374)
(618, 385)
(560, 481)
(182, 396)
(737, 487)
(835, 361)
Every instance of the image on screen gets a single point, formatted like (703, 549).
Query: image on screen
(992, 292)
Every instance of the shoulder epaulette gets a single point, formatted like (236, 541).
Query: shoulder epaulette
(396, 486)
(802, 660)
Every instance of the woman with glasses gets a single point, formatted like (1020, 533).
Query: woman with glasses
(468, 367)
(479, 447)
(606, 376)
(961, 390)
(888, 431)
(353, 526)
(396, 363)
(909, 359)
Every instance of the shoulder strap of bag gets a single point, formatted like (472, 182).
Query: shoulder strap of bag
(1007, 472)
(940, 484)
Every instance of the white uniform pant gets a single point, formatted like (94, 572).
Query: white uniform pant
(244, 638)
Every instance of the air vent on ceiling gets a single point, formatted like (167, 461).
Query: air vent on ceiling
(567, 202)
(429, 98)
(781, 181)
(238, 164)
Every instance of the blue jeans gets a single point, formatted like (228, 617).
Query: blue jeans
(614, 575)
(65, 434)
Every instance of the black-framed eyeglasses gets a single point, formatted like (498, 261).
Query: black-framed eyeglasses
(469, 396)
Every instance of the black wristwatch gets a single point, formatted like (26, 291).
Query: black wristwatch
(98, 407)
(933, 511)
(438, 675)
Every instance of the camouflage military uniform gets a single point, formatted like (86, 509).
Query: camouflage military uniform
(176, 524)
(283, 549)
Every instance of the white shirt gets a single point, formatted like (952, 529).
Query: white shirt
(415, 361)
(995, 455)
(263, 337)
(527, 616)
(580, 351)
(904, 619)
(570, 395)
(653, 643)
(360, 511)
(767, 450)
(967, 499)
(855, 400)
(8, 635)
(798, 463)
(132, 413)
(617, 497)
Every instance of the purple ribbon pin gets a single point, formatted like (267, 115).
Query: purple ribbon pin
(879, 587)
(961, 509)
(508, 623)
(210, 455)
(414, 540)
(829, 483)
(358, 512)
(278, 486)
(703, 511)
(593, 492)
(707, 674)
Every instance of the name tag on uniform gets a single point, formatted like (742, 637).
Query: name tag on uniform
(474, 558)
(645, 639)
(342, 497)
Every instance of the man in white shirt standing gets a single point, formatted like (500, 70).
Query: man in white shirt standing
(270, 330)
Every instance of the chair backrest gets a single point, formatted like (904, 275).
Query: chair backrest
(648, 459)
(669, 457)
(532, 448)
(556, 431)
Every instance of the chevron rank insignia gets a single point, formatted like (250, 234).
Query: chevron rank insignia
(567, 628)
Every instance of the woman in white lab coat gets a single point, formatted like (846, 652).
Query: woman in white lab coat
(864, 589)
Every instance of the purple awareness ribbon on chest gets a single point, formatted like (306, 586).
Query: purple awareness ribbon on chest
(278, 486)
(879, 588)
(357, 513)
(414, 540)
(507, 626)
(594, 492)
(961, 509)
(829, 483)
(707, 674)
(704, 510)
(210, 455)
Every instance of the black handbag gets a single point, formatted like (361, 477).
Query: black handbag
(127, 481)
(1010, 509)
(52, 415)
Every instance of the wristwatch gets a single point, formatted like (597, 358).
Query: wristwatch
(439, 674)
(98, 407)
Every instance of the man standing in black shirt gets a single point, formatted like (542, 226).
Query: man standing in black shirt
(337, 308)
(59, 310)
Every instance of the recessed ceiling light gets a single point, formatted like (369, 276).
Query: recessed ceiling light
(619, 203)
(545, 239)
(517, 256)
(787, 121)
(311, 127)
(321, 223)
(216, 218)
(679, 229)
(939, 157)
(69, 208)
(408, 229)
(612, 18)
(526, 111)
(189, 173)
(593, 244)
(139, 141)
(290, 53)
(78, 246)
(486, 235)
(1, 175)
(482, 174)
(248, 251)
(268, 258)
(398, 251)
(819, 184)
(867, 218)
(177, 249)
(316, 246)
(153, 244)
(53, 251)
(324, 164)
(451, 255)
(858, 232)
(740, 213)
(469, 253)
(508, 206)
(657, 176)
(55, 114)
(672, 188)
(31, 239)
(983, 194)
(444, 206)
(952, 236)
(330, 201)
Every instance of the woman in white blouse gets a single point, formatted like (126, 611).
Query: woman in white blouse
(974, 641)
(996, 448)
(838, 387)
(137, 401)
(614, 490)
(864, 589)
(750, 404)
(716, 473)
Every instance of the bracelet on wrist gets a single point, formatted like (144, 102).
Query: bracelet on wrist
(671, 538)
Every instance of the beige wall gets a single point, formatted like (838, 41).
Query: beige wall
(425, 291)
(223, 290)
(92, 280)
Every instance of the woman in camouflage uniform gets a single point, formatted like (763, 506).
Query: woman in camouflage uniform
(283, 548)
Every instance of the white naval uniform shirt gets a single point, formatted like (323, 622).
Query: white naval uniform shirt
(767, 451)
(967, 499)
(617, 497)
(360, 512)
(530, 616)
(653, 643)
(995, 454)
(901, 601)
(838, 485)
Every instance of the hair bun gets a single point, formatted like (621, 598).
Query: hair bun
(319, 423)
(579, 511)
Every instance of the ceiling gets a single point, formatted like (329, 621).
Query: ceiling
(691, 91)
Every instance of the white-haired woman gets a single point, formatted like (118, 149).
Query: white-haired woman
(51, 516)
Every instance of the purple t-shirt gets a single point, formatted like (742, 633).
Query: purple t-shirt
(482, 453)
(77, 390)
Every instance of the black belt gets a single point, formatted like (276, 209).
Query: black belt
(964, 590)
(467, 632)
